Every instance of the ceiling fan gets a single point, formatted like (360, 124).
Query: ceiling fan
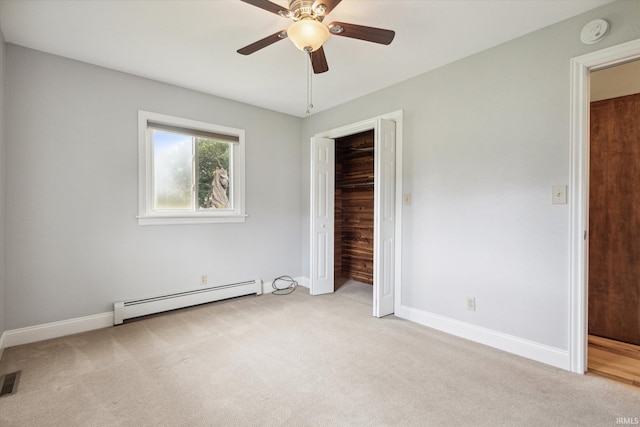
(308, 32)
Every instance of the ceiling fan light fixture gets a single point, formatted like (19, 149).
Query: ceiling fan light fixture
(308, 34)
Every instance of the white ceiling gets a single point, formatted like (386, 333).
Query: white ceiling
(193, 43)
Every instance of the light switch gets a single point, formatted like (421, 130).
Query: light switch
(559, 194)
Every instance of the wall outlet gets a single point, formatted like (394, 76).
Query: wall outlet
(203, 279)
(471, 303)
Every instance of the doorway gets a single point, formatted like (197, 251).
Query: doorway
(387, 209)
(614, 223)
(581, 69)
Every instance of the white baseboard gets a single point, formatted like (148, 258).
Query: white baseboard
(509, 343)
(55, 329)
(266, 287)
(519, 346)
(303, 281)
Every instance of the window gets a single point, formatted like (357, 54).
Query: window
(190, 172)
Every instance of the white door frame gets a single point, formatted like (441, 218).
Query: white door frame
(363, 126)
(581, 66)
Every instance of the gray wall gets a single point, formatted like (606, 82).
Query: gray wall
(73, 244)
(485, 138)
(2, 184)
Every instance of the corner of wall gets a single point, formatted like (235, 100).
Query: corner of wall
(2, 191)
(2, 339)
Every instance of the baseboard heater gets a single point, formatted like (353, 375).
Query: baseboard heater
(142, 307)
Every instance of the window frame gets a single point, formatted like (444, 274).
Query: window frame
(149, 216)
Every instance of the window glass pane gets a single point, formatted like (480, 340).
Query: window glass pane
(172, 171)
(214, 183)
(191, 172)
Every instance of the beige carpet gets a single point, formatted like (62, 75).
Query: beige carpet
(294, 360)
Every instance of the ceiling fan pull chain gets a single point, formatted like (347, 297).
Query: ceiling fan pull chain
(309, 89)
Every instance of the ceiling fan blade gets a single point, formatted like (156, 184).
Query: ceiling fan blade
(370, 34)
(269, 6)
(329, 5)
(269, 40)
(319, 61)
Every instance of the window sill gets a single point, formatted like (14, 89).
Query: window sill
(190, 219)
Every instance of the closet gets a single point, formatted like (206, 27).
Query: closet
(354, 207)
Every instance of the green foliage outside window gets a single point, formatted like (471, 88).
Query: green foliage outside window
(212, 156)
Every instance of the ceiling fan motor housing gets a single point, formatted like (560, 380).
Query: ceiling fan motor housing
(304, 9)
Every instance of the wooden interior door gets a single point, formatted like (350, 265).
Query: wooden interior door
(614, 219)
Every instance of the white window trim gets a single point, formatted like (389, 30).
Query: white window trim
(146, 215)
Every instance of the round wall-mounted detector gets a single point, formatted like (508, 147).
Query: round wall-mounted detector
(594, 31)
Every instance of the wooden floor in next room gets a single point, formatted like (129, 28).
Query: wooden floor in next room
(614, 359)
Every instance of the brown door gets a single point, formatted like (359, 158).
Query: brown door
(614, 219)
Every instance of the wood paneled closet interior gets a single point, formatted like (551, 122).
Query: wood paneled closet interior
(354, 207)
